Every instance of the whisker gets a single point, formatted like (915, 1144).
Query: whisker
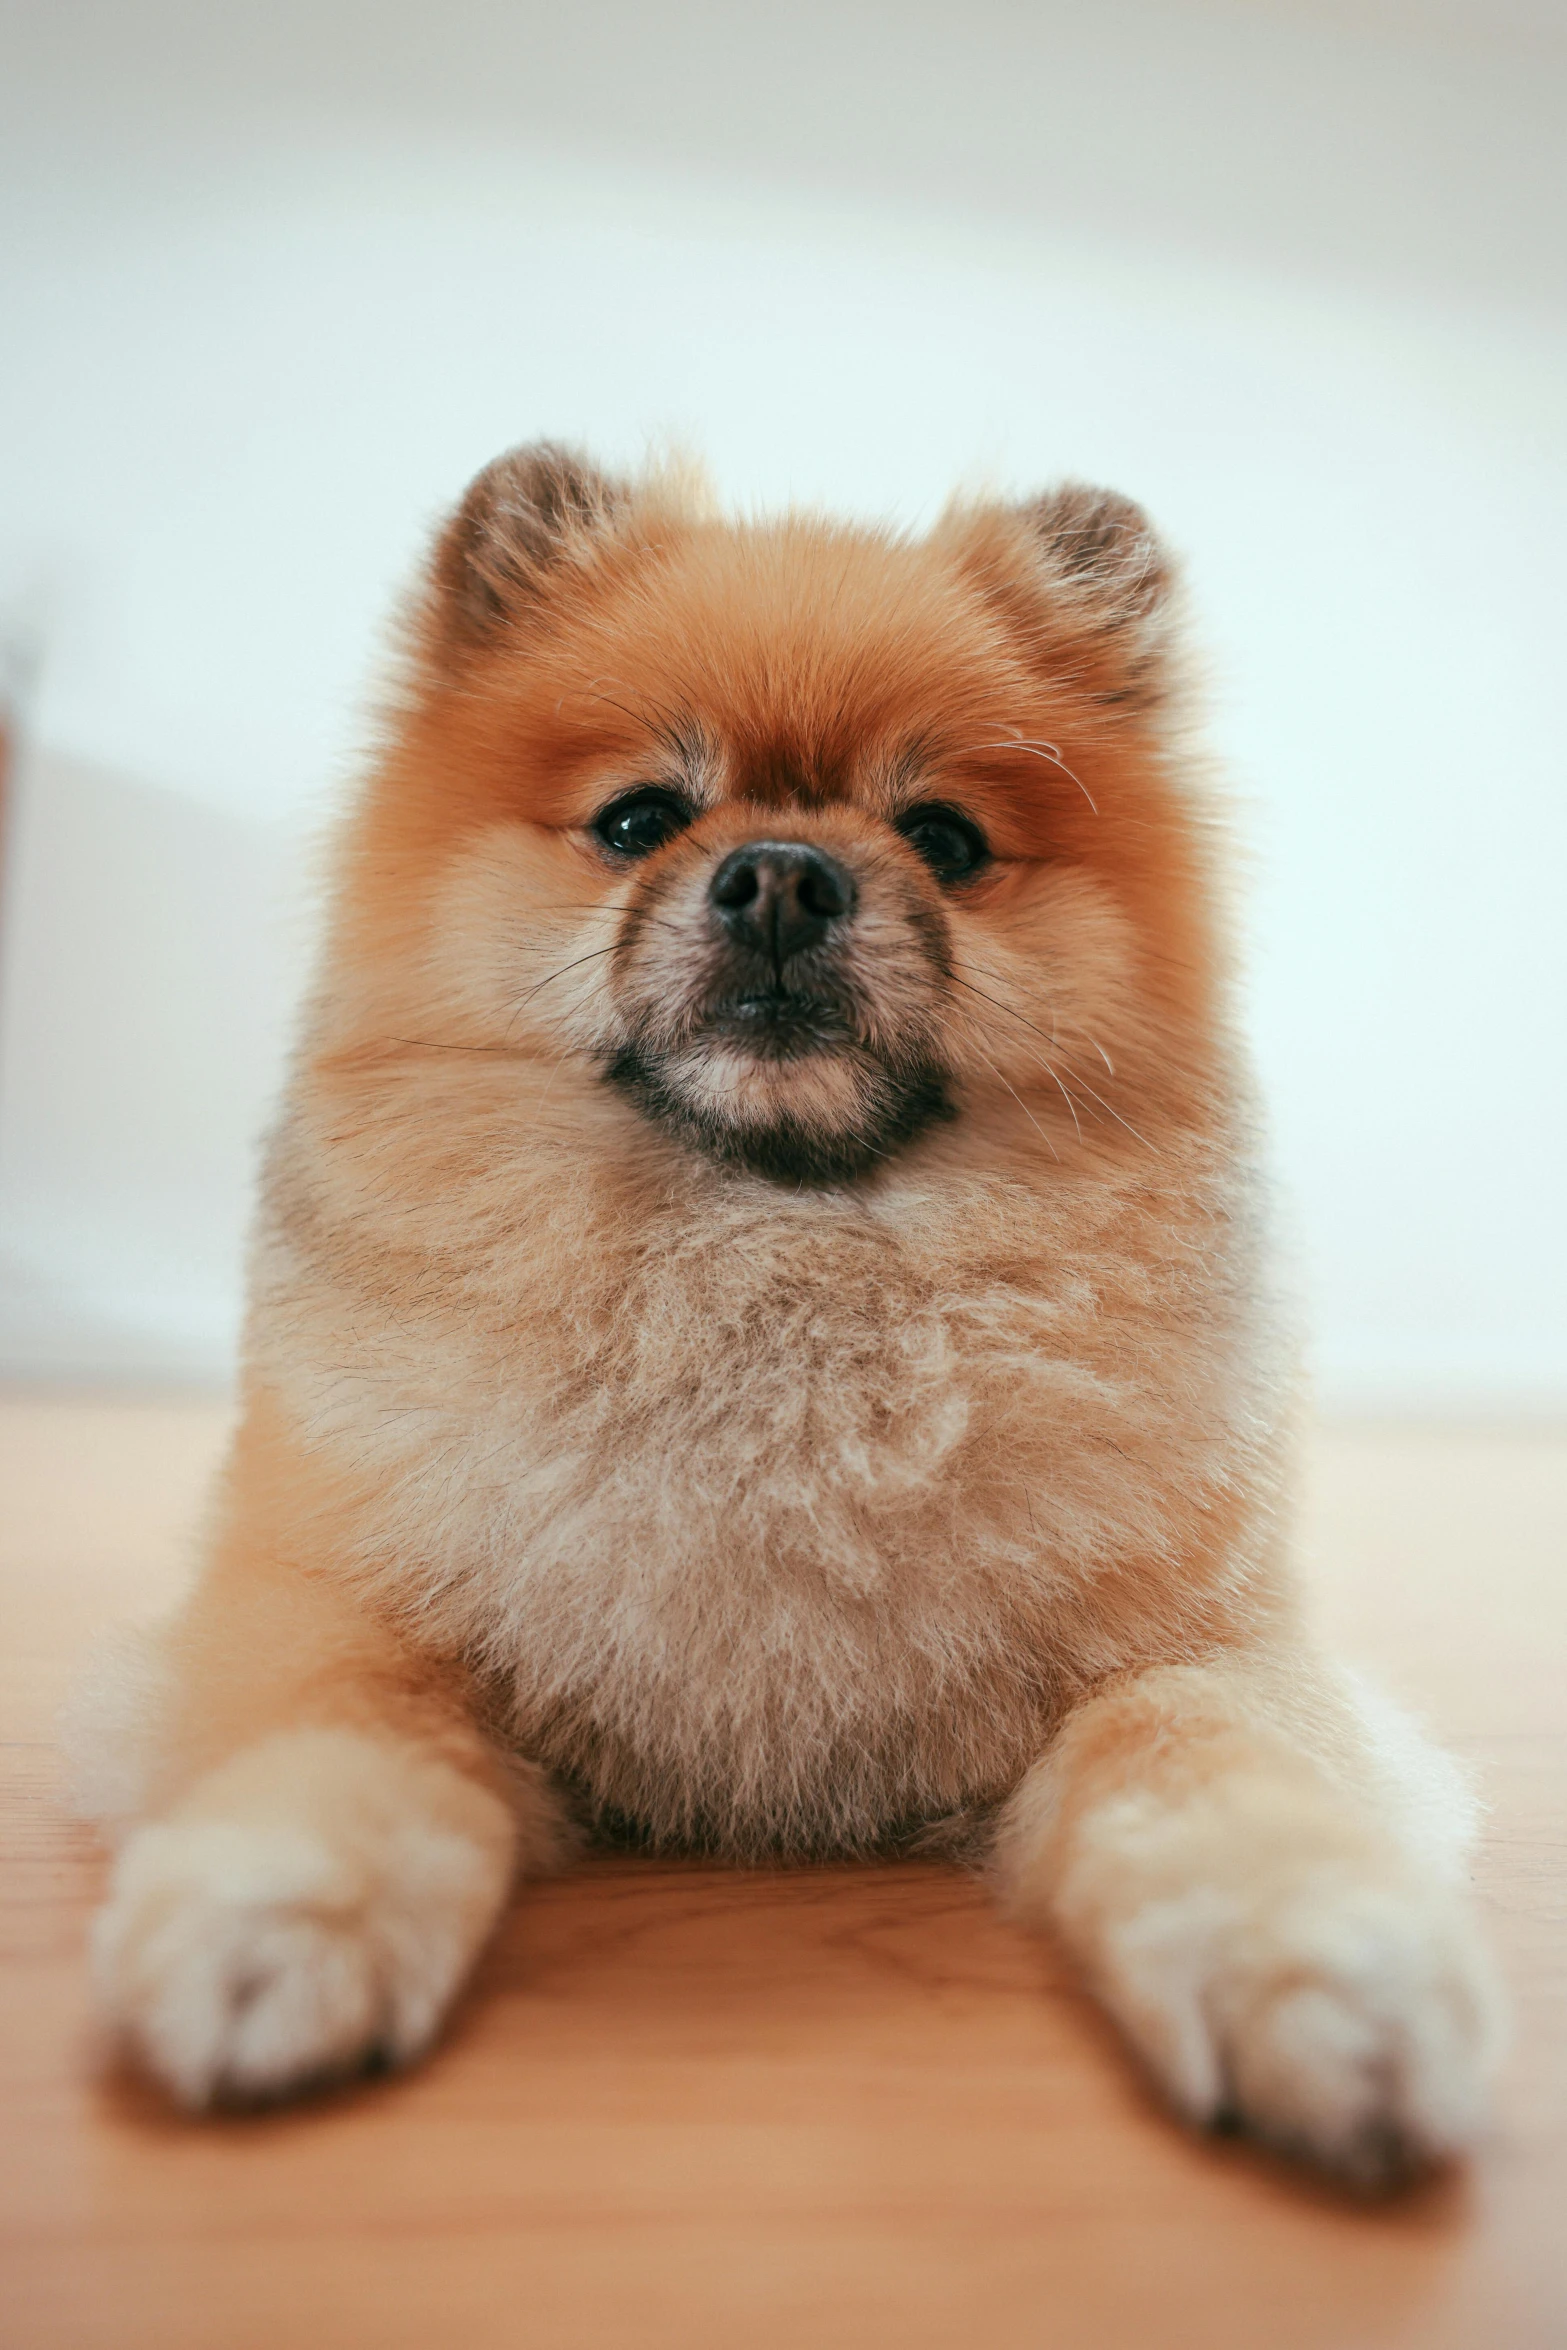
(1055, 1077)
(1077, 1076)
(1115, 1114)
(1010, 1010)
(1052, 1073)
(615, 914)
(1022, 1105)
(506, 1049)
(1001, 979)
(1054, 1017)
(594, 954)
(591, 956)
(1039, 750)
(1053, 1041)
(433, 1044)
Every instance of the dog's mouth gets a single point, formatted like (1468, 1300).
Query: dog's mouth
(780, 1024)
(784, 1085)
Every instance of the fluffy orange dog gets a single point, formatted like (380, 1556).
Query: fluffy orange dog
(761, 1336)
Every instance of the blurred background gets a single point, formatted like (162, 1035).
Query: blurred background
(274, 282)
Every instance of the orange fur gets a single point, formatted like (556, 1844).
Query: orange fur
(783, 1405)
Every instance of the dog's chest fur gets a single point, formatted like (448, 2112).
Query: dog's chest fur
(782, 1522)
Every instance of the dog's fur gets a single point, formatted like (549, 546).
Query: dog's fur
(780, 1423)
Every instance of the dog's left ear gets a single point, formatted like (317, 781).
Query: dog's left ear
(1083, 575)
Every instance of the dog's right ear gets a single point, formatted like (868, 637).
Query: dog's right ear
(526, 522)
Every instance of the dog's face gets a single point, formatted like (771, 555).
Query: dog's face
(782, 972)
(803, 841)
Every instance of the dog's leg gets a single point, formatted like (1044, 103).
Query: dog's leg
(1256, 1870)
(320, 1836)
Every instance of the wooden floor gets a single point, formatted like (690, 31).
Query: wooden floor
(838, 2107)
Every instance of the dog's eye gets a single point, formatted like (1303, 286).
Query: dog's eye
(951, 846)
(641, 821)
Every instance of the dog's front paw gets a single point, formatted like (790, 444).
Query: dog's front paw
(1353, 2024)
(313, 1909)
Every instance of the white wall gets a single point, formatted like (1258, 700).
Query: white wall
(272, 286)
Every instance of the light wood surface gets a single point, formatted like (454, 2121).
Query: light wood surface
(834, 2107)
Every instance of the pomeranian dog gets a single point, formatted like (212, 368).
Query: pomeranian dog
(761, 1338)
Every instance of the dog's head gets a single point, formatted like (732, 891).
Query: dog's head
(803, 839)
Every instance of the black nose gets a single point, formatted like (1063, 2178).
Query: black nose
(778, 896)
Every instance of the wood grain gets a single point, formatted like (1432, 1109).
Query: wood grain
(832, 2107)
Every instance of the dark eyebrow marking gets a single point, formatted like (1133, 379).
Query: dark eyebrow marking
(781, 768)
(677, 730)
(906, 774)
